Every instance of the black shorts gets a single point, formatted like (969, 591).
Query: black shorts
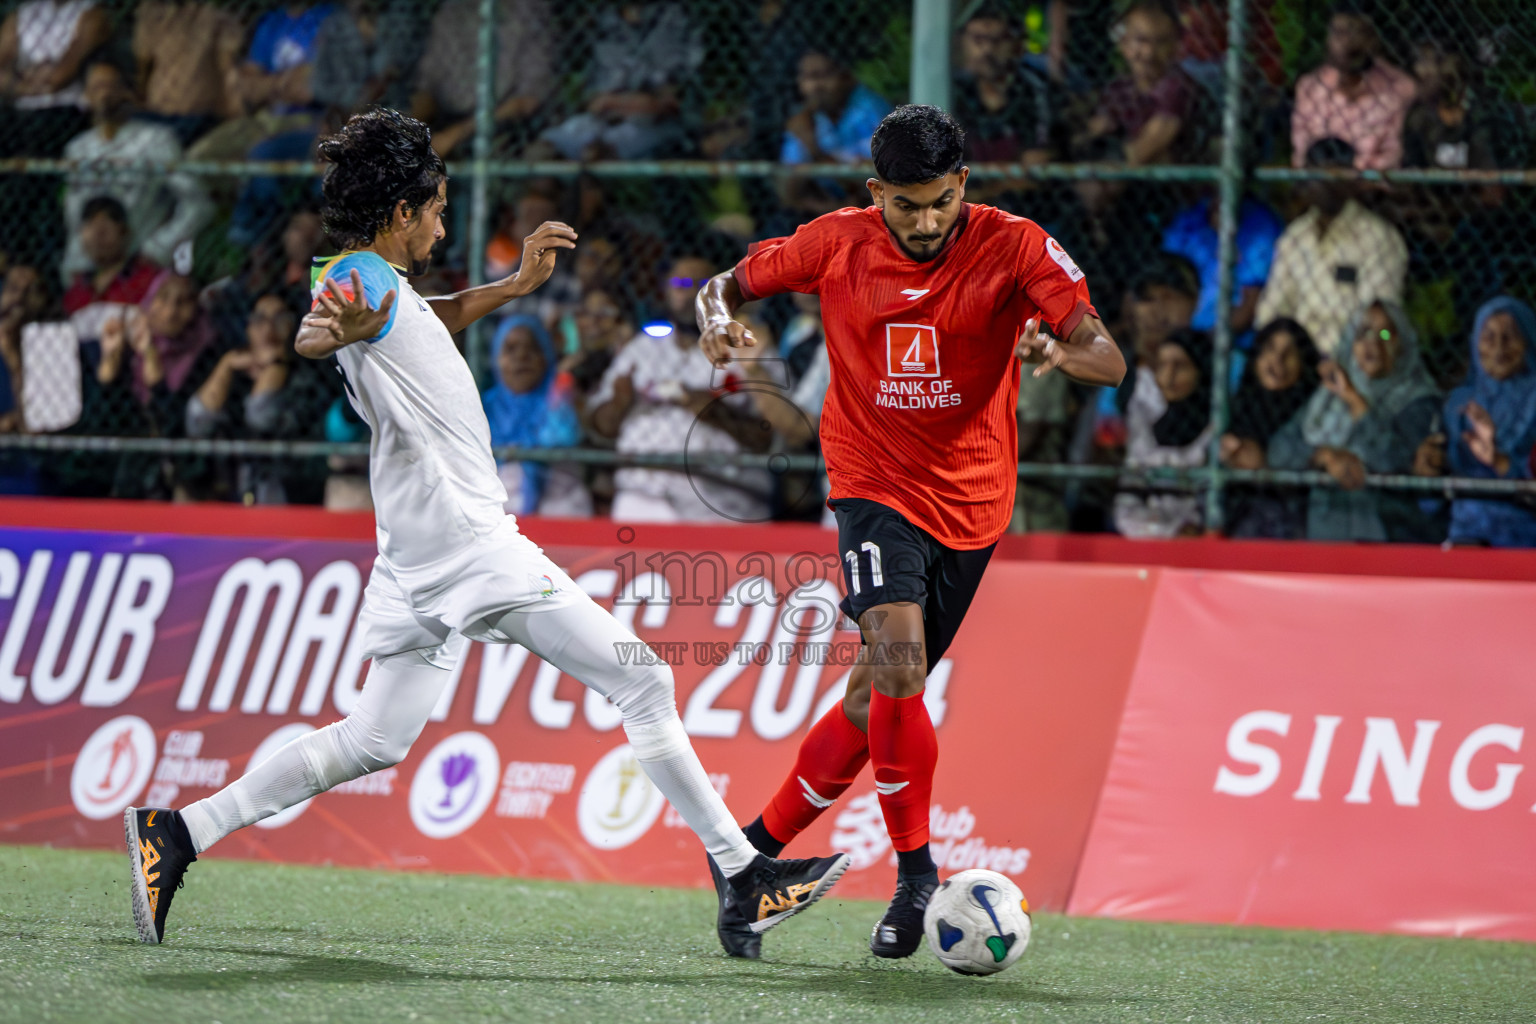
(886, 558)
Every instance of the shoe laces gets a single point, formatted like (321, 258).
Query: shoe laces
(916, 890)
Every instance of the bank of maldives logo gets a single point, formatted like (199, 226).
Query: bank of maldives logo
(618, 804)
(454, 785)
(113, 767)
(911, 350)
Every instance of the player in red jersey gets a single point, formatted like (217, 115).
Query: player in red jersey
(929, 304)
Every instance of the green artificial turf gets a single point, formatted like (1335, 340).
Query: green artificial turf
(271, 943)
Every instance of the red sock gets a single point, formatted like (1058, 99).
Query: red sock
(904, 749)
(830, 758)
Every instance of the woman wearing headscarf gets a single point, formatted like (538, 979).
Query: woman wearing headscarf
(1490, 424)
(168, 350)
(1168, 425)
(1277, 382)
(152, 360)
(1376, 405)
(531, 405)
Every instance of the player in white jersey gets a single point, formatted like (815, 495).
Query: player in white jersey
(452, 567)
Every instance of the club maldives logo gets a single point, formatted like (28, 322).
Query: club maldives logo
(113, 767)
(454, 785)
(269, 746)
(618, 804)
(859, 831)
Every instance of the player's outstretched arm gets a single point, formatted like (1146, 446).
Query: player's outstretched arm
(459, 310)
(337, 321)
(1089, 356)
(715, 308)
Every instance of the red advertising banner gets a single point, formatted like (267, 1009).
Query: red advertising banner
(1324, 752)
(141, 667)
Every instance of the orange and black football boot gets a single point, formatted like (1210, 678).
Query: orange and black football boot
(160, 850)
(736, 938)
(769, 892)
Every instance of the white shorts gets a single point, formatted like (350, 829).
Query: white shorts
(433, 608)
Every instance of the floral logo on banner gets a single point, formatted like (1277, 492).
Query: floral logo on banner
(454, 785)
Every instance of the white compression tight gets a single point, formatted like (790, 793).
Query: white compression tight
(580, 639)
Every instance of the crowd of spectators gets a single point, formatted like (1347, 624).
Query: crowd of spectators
(1348, 306)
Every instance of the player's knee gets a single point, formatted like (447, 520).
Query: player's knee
(900, 680)
(388, 751)
(374, 748)
(647, 695)
(856, 697)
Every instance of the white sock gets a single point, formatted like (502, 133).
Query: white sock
(668, 758)
(397, 697)
(279, 782)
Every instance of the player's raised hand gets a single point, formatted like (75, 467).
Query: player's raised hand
(720, 335)
(350, 320)
(1042, 351)
(539, 250)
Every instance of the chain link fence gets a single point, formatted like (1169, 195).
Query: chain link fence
(1316, 248)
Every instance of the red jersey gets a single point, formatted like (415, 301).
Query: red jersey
(129, 287)
(920, 414)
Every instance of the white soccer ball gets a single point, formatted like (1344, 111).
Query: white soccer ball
(977, 922)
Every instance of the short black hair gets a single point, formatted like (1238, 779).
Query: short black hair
(1352, 9)
(379, 158)
(1167, 270)
(125, 71)
(917, 143)
(1160, 8)
(303, 208)
(992, 11)
(109, 205)
(1330, 152)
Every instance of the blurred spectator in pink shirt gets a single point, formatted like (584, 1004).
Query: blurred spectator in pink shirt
(1354, 96)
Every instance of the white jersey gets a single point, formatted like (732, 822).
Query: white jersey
(435, 487)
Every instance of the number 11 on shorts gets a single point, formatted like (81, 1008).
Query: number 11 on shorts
(877, 578)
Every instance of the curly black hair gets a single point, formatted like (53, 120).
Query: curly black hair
(916, 144)
(379, 158)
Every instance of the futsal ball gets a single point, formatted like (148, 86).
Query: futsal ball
(977, 922)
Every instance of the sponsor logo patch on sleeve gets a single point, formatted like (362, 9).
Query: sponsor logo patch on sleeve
(1056, 252)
